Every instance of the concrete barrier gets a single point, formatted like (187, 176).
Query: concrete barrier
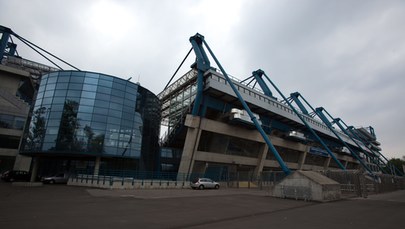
(307, 185)
(125, 183)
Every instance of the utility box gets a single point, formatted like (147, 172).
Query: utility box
(307, 185)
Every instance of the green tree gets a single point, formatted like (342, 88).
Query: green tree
(69, 124)
(398, 163)
(37, 130)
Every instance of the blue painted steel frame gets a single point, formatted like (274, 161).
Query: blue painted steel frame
(258, 76)
(350, 128)
(203, 64)
(197, 41)
(4, 40)
(294, 96)
(337, 121)
(307, 125)
(319, 111)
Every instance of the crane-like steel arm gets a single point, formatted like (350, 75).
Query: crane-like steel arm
(5, 44)
(202, 59)
(319, 112)
(307, 125)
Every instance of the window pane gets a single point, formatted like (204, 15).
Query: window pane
(89, 87)
(75, 86)
(104, 90)
(74, 93)
(60, 92)
(88, 102)
(88, 94)
(105, 83)
(85, 109)
(62, 86)
(90, 81)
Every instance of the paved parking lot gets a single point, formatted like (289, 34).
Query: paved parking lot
(60, 206)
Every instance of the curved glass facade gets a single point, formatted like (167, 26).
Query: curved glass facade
(90, 114)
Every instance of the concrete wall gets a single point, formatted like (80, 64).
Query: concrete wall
(191, 154)
(10, 104)
(307, 185)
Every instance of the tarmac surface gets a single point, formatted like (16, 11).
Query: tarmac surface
(61, 206)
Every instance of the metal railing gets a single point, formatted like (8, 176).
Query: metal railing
(130, 179)
(357, 183)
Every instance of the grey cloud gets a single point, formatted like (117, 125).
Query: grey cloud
(344, 55)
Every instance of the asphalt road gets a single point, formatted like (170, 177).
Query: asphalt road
(60, 206)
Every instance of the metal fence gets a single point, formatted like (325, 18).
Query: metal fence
(352, 182)
(130, 179)
(358, 183)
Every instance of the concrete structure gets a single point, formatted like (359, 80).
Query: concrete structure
(19, 82)
(307, 185)
(217, 146)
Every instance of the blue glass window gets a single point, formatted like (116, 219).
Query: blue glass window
(92, 75)
(100, 103)
(87, 102)
(85, 109)
(104, 90)
(84, 116)
(60, 92)
(62, 86)
(59, 100)
(99, 110)
(87, 87)
(63, 79)
(74, 93)
(75, 86)
(51, 80)
(99, 118)
(115, 106)
(88, 94)
(90, 81)
(76, 79)
(101, 96)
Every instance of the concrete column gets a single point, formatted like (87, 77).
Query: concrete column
(22, 163)
(301, 160)
(34, 171)
(97, 166)
(190, 144)
(199, 167)
(326, 164)
(260, 160)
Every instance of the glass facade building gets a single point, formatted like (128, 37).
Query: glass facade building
(86, 115)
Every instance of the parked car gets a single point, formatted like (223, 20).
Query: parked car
(59, 178)
(202, 183)
(16, 175)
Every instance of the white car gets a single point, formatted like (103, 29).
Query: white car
(202, 183)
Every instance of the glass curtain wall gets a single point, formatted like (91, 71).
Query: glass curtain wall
(92, 114)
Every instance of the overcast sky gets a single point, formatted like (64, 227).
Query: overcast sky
(346, 56)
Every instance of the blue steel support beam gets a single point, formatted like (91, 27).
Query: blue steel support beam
(203, 64)
(258, 75)
(337, 121)
(350, 128)
(319, 112)
(5, 32)
(280, 161)
(307, 125)
(294, 96)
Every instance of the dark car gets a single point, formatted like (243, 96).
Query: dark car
(16, 175)
(60, 178)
